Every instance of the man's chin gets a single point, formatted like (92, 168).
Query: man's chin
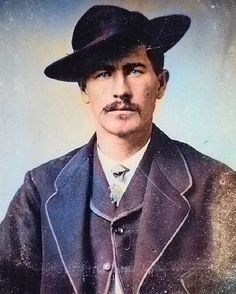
(123, 132)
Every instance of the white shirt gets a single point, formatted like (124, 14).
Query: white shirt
(131, 163)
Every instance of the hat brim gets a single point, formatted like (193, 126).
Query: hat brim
(165, 32)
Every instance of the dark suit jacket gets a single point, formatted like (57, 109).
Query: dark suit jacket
(186, 233)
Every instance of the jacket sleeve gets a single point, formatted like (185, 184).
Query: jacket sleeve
(20, 239)
(223, 216)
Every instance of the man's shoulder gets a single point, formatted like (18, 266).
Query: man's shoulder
(200, 163)
(193, 159)
(196, 161)
(50, 169)
(59, 162)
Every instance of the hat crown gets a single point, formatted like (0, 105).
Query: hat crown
(103, 21)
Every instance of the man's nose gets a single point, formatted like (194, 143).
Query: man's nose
(121, 87)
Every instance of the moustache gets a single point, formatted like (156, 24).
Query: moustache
(116, 106)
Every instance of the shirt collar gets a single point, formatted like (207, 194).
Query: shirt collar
(132, 162)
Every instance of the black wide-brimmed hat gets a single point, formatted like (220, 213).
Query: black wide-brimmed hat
(102, 28)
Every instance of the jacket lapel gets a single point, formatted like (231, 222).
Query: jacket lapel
(66, 211)
(165, 208)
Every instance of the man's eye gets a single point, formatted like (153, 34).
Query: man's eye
(136, 72)
(103, 75)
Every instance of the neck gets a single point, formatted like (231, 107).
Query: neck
(120, 148)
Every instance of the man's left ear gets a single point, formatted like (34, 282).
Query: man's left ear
(163, 80)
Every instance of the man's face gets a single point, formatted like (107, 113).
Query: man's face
(123, 94)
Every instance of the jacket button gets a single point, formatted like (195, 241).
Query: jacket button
(106, 266)
(119, 231)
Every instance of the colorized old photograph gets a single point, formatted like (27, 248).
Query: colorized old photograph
(118, 141)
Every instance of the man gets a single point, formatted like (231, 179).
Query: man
(132, 211)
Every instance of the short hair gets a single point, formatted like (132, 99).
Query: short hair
(113, 53)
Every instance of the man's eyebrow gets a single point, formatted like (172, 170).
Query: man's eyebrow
(134, 64)
(110, 67)
(104, 67)
(131, 65)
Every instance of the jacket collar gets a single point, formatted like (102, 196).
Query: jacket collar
(74, 165)
(171, 161)
(66, 208)
(166, 154)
